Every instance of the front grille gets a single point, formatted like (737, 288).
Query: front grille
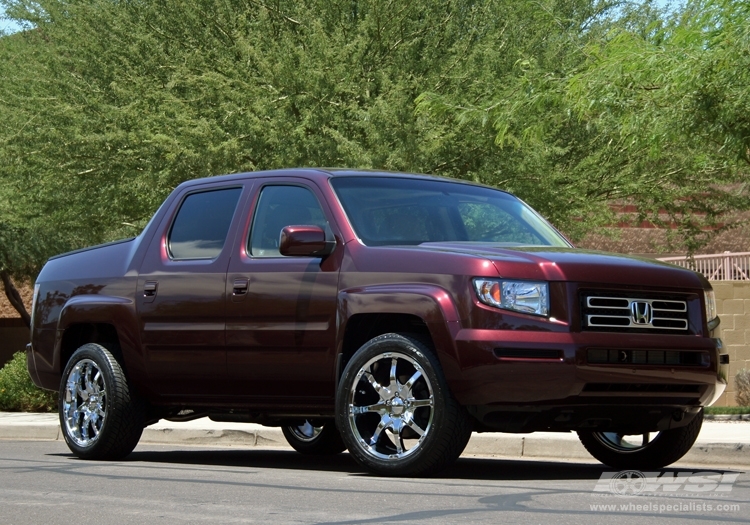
(608, 312)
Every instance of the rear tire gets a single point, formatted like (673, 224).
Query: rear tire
(642, 452)
(313, 438)
(100, 415)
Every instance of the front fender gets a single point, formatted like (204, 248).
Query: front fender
(433, 304)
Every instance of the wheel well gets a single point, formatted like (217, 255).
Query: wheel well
(363, 327)
(78, 335)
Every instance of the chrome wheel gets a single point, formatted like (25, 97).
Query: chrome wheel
(626, 442)
(391, 406)
(644, 451)
(100, 415)
(396, 414)
(318, 437)
(305, 432)
(84, 403)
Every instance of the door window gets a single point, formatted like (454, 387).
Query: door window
(280, 206)
(202, 223)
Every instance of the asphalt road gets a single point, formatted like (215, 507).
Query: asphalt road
(42, 483)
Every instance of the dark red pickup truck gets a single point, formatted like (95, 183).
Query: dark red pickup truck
(389, 314)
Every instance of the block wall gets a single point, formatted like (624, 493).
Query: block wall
(733, 305)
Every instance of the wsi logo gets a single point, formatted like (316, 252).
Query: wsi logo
(635, 482)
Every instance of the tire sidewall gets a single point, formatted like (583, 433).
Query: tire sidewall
(105, 361)
(397, 344)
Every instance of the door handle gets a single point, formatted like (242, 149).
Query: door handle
(149, 290)
(240, 287)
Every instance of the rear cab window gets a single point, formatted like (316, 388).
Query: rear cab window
(200, 228)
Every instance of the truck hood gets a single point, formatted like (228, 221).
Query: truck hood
(571, 264)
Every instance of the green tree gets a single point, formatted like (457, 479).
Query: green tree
(108, 105)
(620, 105)
(676, 100)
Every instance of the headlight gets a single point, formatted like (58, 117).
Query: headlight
(520, 296)
(709, 298)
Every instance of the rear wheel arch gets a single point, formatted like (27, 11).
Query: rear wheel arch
(78, 334)
(109, 321)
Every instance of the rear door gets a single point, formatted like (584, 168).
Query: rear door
(181, 292)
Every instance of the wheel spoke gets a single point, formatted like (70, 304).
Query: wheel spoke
(97, 378)
(398, 442)
(375, 385)
(416, 403)
(393, 385)
(81, 386)
(378, 408)
(413, 379)
(384, 422)
(416, 428)
(84, 427)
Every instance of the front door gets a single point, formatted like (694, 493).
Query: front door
(281, 311)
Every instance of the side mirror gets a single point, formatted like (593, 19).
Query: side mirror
(305, 241)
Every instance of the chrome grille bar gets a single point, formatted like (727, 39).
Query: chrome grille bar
(626, 312)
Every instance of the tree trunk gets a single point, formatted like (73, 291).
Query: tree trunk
(14, 297)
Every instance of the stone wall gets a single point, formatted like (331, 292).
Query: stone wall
(733, 305)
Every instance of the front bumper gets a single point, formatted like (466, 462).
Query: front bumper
(527, 373)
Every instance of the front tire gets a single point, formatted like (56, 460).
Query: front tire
(642, 451)
(100, 416)
(395, 412)
(314, 439)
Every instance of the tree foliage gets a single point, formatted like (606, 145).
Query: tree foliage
(106, 106)
(636, 105)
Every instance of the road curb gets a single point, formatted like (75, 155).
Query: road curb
(564, 447)
(38, 432)
(270, 437)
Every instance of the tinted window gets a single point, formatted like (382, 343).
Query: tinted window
(393, 210)
(200, 228)
(281, 206)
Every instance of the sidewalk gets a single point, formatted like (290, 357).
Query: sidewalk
(720, 443)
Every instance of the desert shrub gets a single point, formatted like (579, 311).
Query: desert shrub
(18, 393)
(742, 384)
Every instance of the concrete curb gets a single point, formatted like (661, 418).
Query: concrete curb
(266, 437)
(564, 446)
(726, 417)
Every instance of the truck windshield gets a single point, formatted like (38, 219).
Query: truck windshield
(400, 211)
